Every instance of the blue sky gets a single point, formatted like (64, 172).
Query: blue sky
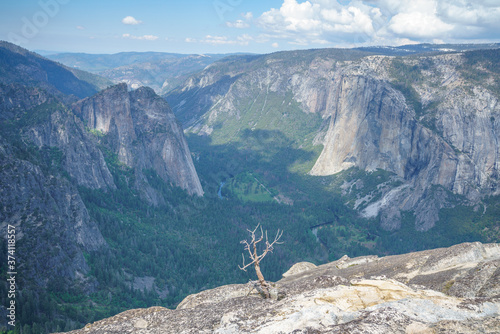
(222, 26)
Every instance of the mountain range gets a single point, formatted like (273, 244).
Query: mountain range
(129, 197)
(53, 143)
(158, 70)
(429, 120)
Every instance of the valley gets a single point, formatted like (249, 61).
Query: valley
(133, 197)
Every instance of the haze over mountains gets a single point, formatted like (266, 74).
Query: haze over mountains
(134, 196)
(165, 71)
(160, 71)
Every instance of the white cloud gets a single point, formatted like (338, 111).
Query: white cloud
(390, 22)
(80, 27)
(240, 24)
(481, 13)
(217, 40)
(275, 45)
(130, 20)
(247, 16)
(418, 25)
(318, 20)
(222, 40)
(144, 37)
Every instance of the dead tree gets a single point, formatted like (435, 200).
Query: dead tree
(251, 247)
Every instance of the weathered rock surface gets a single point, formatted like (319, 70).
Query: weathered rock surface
(48, 123)
(298, 268)
(142, 130)
(453, 290)
(82, 158)
(15, 97)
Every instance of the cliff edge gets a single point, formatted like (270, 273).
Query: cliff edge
(452, 290)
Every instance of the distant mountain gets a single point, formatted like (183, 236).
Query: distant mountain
(160, 71)
(46, 53)
(18, 65)
(404, 50)
(99, 62)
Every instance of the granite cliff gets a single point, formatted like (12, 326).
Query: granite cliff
(48, 150)
(53, 154)
(44, 148)
(142, 130)
(427, 119)
(451, 140)
(453, 290)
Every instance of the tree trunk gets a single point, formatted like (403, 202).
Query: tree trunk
(262, 281)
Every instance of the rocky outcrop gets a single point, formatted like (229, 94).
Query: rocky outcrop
(82, 158)
(51, 221)
(142, 130)
(15, 97)
(441, 290)
(298, 268)
(45, 154)
(45, 123)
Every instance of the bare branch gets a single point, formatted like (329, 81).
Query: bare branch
(245, 266)
(255, 242)
(251, 247)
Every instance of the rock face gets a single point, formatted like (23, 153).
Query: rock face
(425, 119)
(298, 268)
(456, 289)
(43, 149)
(82, 158)
(14, 97)
(48, 151)
(51, 221)
(365, 130)
(142, 130)
(372, 126)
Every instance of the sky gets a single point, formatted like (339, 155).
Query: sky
(255, 26)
